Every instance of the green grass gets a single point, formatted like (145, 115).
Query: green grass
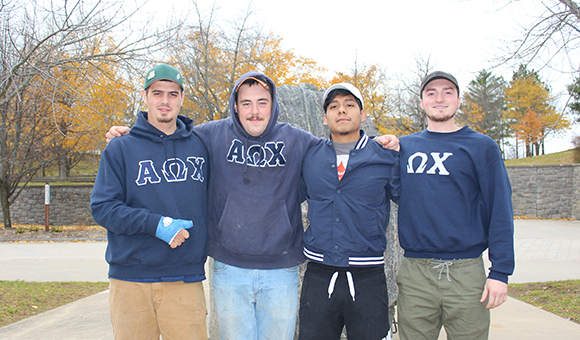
(563, 157)
(22, 299)
(88, 166)
(558, 297)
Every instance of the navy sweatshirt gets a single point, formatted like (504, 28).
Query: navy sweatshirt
(456, 199)
(143, 176)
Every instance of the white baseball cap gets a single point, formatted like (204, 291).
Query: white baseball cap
(344, 86)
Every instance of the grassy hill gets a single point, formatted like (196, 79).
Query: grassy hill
(563, 157)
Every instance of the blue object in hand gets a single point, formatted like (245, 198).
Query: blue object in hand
(168, 228)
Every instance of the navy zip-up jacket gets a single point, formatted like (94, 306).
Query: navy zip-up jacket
(349, 218)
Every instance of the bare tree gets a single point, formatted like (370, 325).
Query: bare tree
(211, 57)
(555, 33)
(408, 115)
(214, 53)
(38, 39)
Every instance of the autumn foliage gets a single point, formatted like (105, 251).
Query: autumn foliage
(530, 111)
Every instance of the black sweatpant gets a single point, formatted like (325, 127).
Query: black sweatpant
(366, 316)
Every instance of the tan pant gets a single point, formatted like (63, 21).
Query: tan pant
(175, 310)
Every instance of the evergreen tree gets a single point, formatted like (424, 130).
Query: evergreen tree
(482, 106)
(574, 91)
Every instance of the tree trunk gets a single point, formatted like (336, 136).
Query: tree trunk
(62, 168)
(5, 210)
(528, 150)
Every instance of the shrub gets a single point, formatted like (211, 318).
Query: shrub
(56, 229)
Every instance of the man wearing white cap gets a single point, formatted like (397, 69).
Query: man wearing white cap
(349, 181)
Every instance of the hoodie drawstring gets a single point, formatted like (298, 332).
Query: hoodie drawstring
(350, 281)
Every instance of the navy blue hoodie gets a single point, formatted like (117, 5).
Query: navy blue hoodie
(254, 215)
(143, 176)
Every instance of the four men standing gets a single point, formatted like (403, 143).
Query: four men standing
(255, 231)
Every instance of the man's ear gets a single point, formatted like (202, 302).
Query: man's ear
(363, 116)
(324, 119)
(144, 96)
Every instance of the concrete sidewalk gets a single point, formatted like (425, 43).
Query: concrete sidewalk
(545, 251)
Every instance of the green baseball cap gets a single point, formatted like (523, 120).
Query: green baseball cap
(163, 72)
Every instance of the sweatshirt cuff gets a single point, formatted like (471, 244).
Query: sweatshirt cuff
(498, 276)
(152, 223)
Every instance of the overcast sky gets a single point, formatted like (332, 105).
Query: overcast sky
(461, 37)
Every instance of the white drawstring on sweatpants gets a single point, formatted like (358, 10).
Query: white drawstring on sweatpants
(350, 281)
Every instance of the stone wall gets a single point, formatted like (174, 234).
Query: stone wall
(69, 205)
(546, 191)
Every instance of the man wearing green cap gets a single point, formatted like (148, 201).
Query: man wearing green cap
(150, 195)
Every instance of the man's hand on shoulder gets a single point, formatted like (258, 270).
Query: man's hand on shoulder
(116, 131)
(389, 142)
(496, 291)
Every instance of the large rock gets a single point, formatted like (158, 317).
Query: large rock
(301, 106)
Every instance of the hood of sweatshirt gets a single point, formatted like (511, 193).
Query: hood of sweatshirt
(145, 129)
(273, 115)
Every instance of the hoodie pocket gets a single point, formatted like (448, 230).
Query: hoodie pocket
(253, 226)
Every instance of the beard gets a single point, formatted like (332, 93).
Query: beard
(441, 119)
(164, 119)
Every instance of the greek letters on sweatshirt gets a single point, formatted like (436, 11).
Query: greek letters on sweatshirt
(455, 199)
(143, 176)
(254, 215)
